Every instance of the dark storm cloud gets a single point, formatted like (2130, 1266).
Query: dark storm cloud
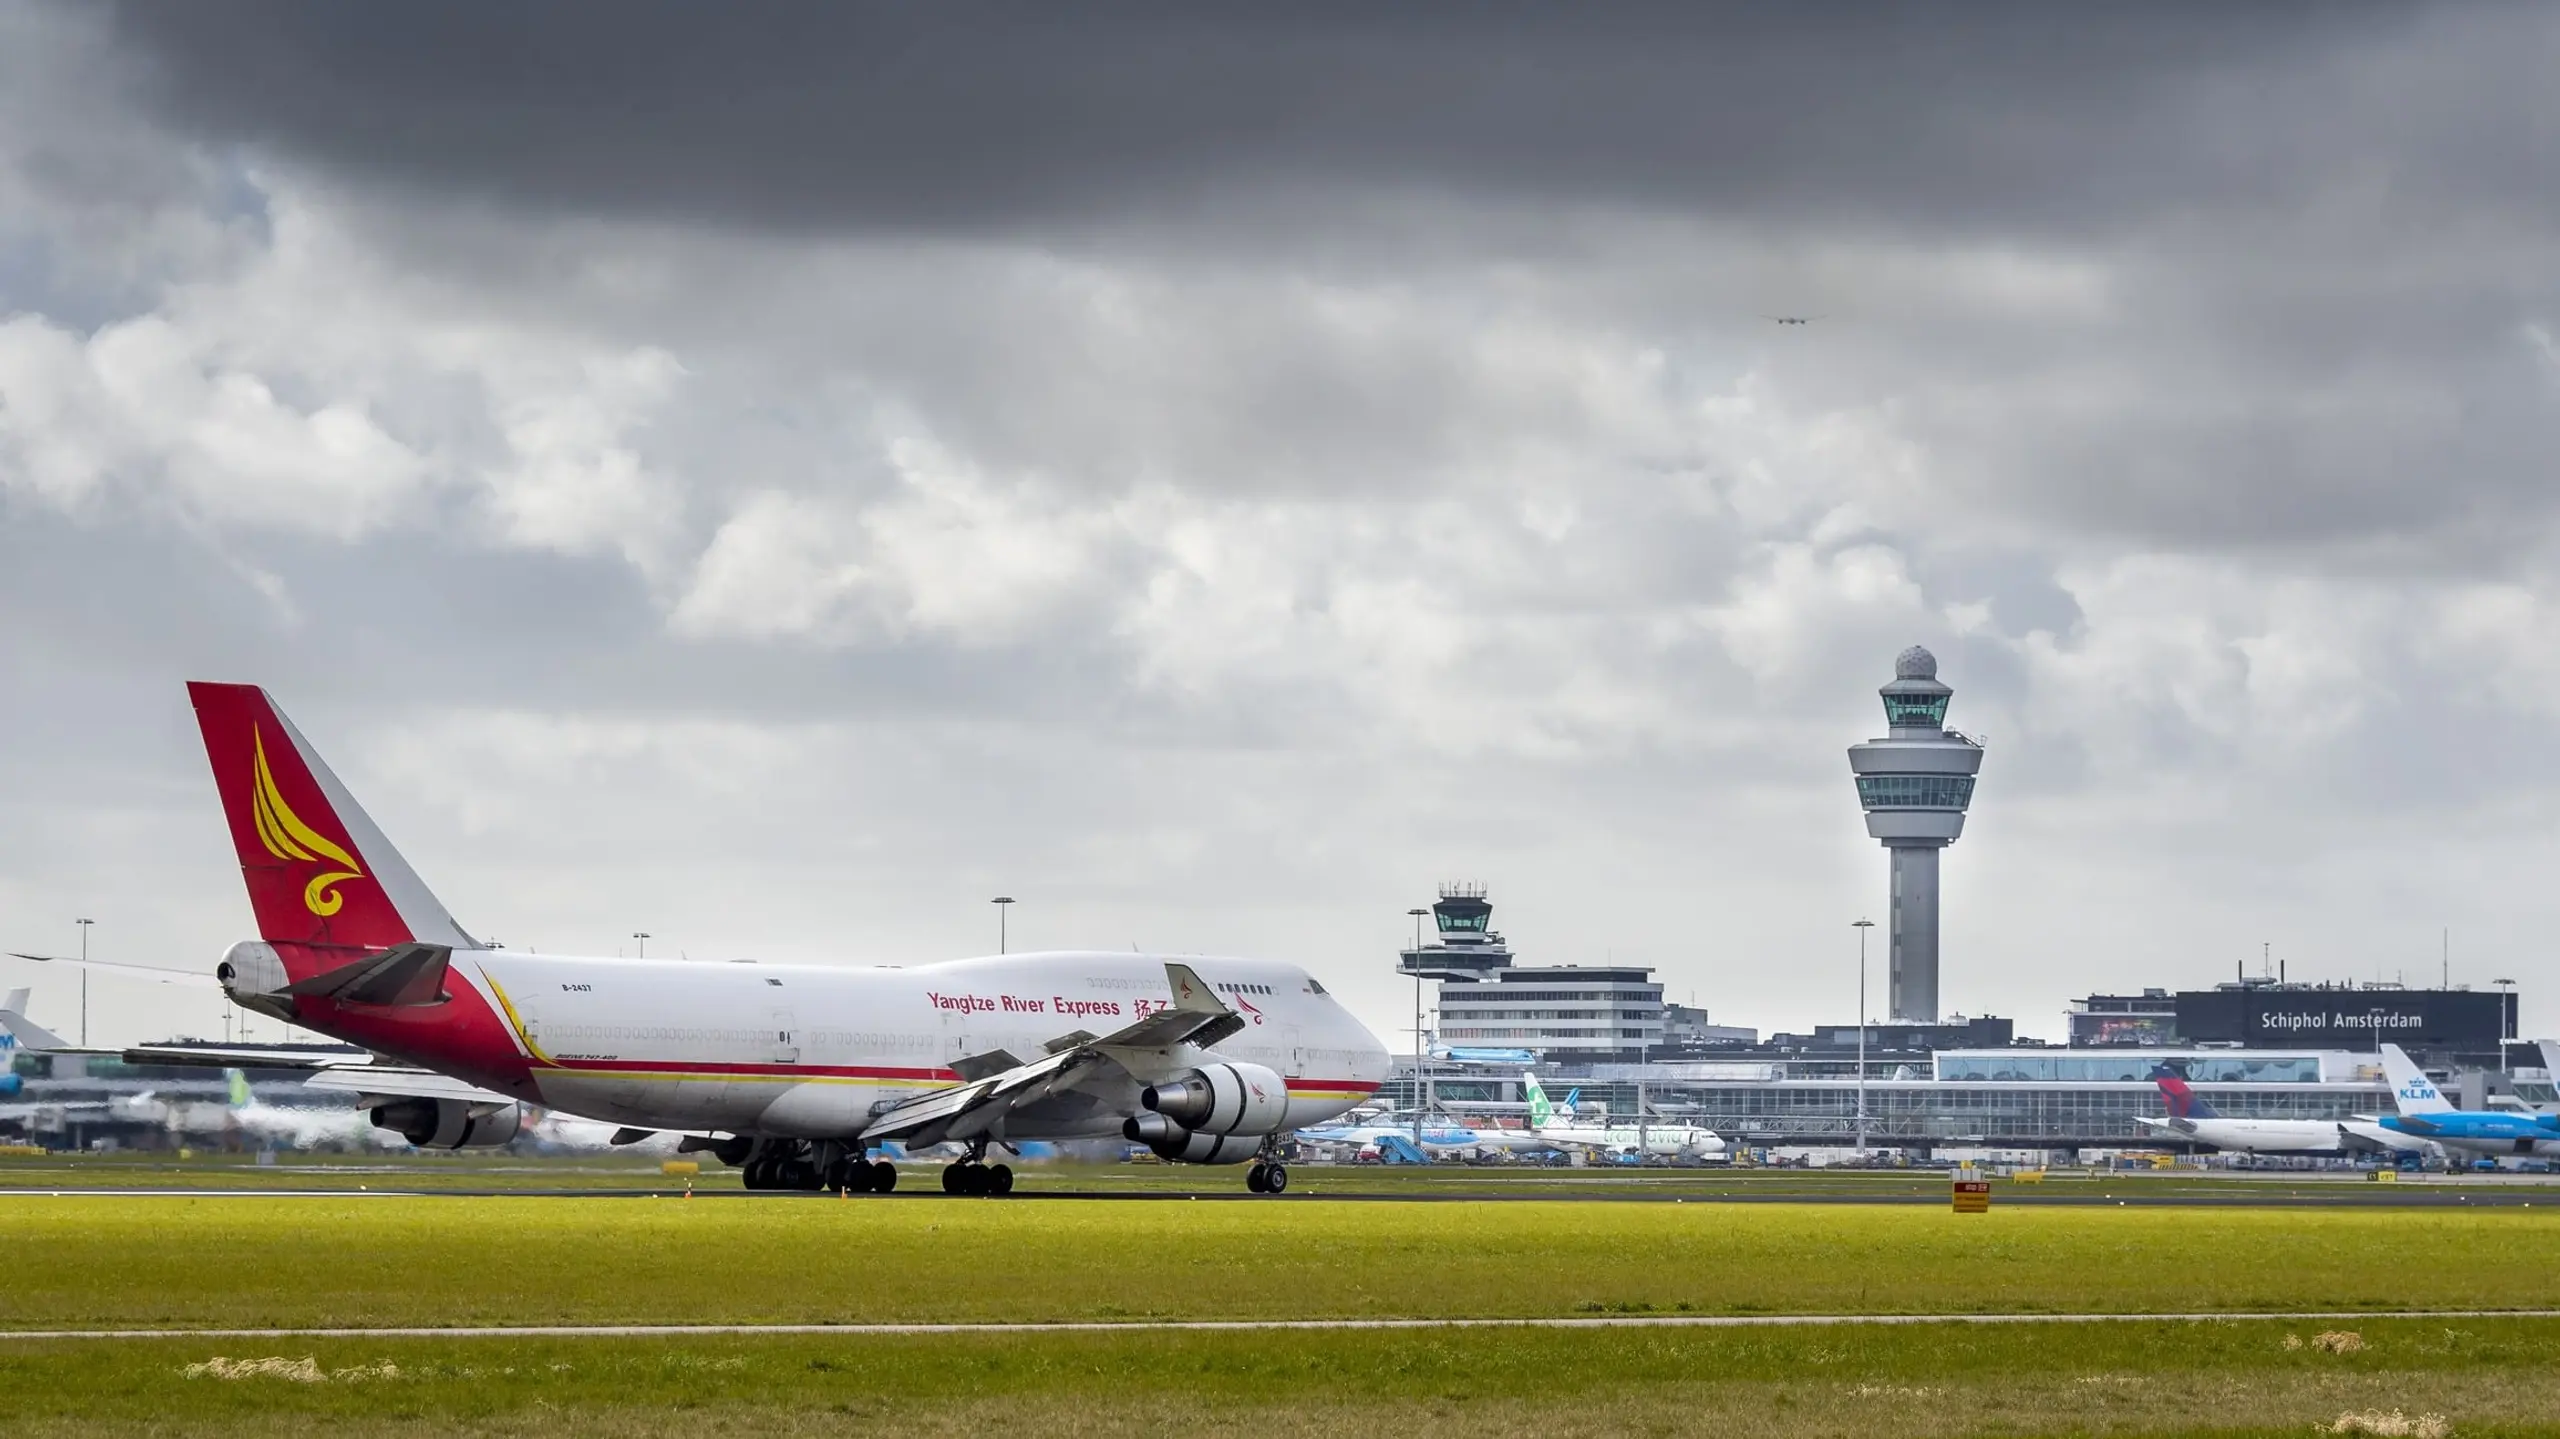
(845, 116)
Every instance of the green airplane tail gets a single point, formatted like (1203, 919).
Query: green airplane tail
(1540, 1111)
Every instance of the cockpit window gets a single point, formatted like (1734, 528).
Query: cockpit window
(1314, 985)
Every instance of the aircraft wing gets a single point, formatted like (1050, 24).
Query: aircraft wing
(979, 1104)
(385, 1082)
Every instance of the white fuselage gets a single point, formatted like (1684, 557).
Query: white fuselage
(1657, 1140)
(2285, 1136)
(814, 1051)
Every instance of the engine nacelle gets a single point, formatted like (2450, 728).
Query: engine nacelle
(450, 1123)
(1171, 1141)
(1222, 1099)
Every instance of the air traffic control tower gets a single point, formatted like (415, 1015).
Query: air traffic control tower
(1915, 784)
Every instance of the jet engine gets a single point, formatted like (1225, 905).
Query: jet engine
(450, 1123)
(1171, 1141)
(1222, 1099)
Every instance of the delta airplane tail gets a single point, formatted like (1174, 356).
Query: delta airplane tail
(2183, 1101)
(2410, 1087)
(320, 873)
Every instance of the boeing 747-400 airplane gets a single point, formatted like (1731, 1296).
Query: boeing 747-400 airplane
(795, 1072)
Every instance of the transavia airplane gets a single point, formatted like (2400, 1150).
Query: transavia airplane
(2190, 1118)
(2425, 1113)
(1440, 1134)
(1670, 1141)
(795, 1073)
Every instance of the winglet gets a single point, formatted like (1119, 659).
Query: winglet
(34, 1036)
(1191, 992)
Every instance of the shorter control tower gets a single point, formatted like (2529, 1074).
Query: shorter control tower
(1468, 950)
(1915, 784)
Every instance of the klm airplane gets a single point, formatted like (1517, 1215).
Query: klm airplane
(10, 1083)
(2491, 1133)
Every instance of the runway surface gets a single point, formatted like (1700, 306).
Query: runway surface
(1139, 1326)
(2312, 1196)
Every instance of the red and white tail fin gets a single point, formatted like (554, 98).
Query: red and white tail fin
(319, 871)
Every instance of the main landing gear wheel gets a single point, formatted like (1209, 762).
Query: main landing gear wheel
(1254, 1177)
(852, 1176)
(884, 1176)
(969, 1177)
(1270, 1177)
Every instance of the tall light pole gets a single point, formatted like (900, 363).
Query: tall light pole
(642, 935)
(84, 979)
(1004, 906)
(1862, 926)
(1417, 1024)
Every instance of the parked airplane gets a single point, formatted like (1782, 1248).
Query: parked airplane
(792, 1072)
(1671, 1141)
(2190, 1118)
(2426, 1113)
(1442, 1135)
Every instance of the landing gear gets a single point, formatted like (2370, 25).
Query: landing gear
(780, 1171)
(971, 1178)
(1269, 1174)
(825, 1166)
(971, 1174)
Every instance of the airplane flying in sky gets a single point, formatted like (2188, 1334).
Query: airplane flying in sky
(2488, 1133)
(1624, 1141)
(2191, 1118)
(794, 1072)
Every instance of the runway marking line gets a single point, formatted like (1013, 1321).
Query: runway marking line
(1110, 1326)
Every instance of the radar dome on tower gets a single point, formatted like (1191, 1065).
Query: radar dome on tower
(1915, 663)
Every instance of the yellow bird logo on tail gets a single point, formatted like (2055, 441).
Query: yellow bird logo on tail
(287, 837)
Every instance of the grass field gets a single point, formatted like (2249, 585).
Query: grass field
(2472, 1378)
(290, 1262)
(355, 1261)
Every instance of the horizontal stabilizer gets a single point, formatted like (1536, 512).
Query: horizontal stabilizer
(136, 971)
(405, 974)
(210, 1057)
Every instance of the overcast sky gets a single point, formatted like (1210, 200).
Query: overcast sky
(779, 481)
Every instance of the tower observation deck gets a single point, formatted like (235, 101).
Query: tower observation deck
(1468, 949)
(1915, 785)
